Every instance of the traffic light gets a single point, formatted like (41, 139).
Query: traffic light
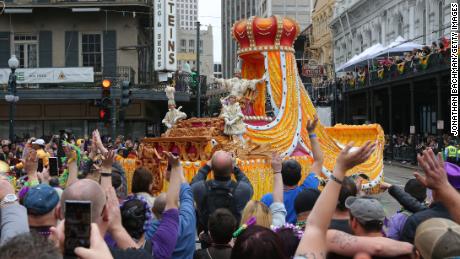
(125, 94)
(106, 101)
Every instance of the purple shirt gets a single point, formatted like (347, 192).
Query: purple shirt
(396, 225)
(165, 238)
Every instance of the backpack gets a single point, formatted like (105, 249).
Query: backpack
(218, 195)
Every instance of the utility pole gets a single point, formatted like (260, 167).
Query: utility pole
(113, 114)
(198, 93)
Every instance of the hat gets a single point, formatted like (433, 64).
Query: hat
(39, 142)
(364, 209)
(41, 199)
(453, 174)
(438, 238)
(305, 200)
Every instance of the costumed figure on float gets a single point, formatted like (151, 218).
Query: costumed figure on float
(174, 114)
(233, 116)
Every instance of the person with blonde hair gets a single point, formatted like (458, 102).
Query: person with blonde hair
(275, 214)
(258, 210)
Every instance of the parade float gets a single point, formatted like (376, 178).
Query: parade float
(275, 109)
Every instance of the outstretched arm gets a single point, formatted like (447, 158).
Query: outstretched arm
(315, 146)
(277, 208)
(348, 245)
(314, 242)
(436, 179)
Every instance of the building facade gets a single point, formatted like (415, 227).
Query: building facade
(407, 101)
(186, 53)
(112, 37)
(359, 24)
(321, 45)
(232, 11)
(187, 12)
(300, 10)
(217, 70)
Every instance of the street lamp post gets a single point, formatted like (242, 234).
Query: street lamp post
(11, 98)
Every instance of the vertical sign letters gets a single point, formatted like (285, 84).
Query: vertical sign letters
(165, 35)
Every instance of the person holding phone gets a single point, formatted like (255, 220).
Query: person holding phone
(105, 212)
(43, 156)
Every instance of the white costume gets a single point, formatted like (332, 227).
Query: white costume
(173, 115)
(237, 86)
(233, 117)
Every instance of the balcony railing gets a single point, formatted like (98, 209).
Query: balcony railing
(432, 63)
(115, 74)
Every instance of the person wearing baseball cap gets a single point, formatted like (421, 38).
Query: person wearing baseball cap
(366, 216)
(39, 146)
(438, 238)
(41, 202)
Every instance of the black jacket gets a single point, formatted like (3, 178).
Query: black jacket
(436, 210)
(406, 200)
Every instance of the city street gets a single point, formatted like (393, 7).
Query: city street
(397, 176)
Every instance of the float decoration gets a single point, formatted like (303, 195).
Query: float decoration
(275, 113)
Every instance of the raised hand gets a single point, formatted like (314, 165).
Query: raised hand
(31, 162)
(44, 176)
(348, 159)
(276, 163)
(172, 159)
(435, 174)
(113, 210)
(108, 160)
(311, 124)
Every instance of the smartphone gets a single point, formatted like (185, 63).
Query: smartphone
(77, 225)
(53, 166)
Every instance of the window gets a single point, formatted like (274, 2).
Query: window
(91, 50)
(183, 46)
(201, 47)
(191, 46)
(26, 49)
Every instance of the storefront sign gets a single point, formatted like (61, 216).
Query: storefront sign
(312, 71)
(49, 75)
(165, 35)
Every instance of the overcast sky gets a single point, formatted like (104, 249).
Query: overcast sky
(209, 13)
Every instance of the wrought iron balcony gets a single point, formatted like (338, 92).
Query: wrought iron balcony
(430, 64)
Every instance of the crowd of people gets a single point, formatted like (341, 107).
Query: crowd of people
(394, 64)
(410, 145)
(215, 215)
